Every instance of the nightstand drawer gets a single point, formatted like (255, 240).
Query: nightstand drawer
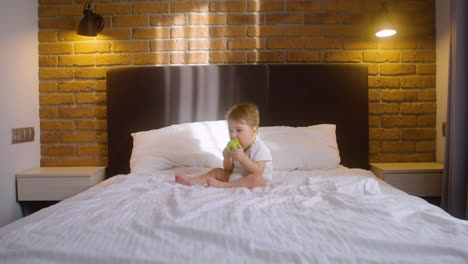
(51, 189)
(419, 184)
(422, 179)
(56, 183)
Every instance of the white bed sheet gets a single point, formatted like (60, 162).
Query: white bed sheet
(333, 216)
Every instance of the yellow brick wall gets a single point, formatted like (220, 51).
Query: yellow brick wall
(142, 32)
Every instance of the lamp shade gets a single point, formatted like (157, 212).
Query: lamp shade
(91, 24)
(384, 26)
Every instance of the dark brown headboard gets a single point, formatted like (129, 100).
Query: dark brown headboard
(144, 98)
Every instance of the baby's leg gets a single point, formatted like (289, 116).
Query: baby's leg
(217, 173)
(250, 181)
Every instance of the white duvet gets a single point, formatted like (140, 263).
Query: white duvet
(333, 216)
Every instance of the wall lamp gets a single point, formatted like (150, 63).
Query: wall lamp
(384, 25)
(91, 24)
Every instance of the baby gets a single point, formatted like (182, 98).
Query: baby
(247, 166)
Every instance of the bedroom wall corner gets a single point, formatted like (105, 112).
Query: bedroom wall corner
(442, 61)
(18, 100)
(72, 68)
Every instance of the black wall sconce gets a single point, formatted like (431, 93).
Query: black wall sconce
(91, 24)
(384, 27)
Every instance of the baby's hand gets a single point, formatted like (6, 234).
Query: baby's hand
(226, 154)
(237, 154)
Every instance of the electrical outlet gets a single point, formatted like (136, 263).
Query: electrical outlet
(22, 134)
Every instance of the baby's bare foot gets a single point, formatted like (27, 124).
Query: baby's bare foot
(185, 180)
(212, 182)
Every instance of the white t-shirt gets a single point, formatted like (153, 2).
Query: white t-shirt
(258, 151)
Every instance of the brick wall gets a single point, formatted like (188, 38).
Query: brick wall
(72, 68)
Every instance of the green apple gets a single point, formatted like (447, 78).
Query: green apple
(233, 144)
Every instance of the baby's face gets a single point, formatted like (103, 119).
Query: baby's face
(242, 132)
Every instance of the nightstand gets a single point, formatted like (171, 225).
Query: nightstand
(422, 179)
(41, 187)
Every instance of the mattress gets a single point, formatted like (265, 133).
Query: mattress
(324, 216)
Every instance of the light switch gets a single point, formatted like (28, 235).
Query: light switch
(22, 134)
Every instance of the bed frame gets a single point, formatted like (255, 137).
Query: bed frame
(144, 98)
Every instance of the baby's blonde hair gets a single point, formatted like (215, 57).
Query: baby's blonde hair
(246, 113)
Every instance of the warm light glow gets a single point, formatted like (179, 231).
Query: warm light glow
(385, 33)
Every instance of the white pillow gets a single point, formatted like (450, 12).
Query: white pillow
(302, 148)
(198, 144)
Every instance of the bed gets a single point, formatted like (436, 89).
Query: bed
(308, 213)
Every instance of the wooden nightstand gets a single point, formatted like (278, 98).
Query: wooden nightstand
(416, 178)
(41, 187)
